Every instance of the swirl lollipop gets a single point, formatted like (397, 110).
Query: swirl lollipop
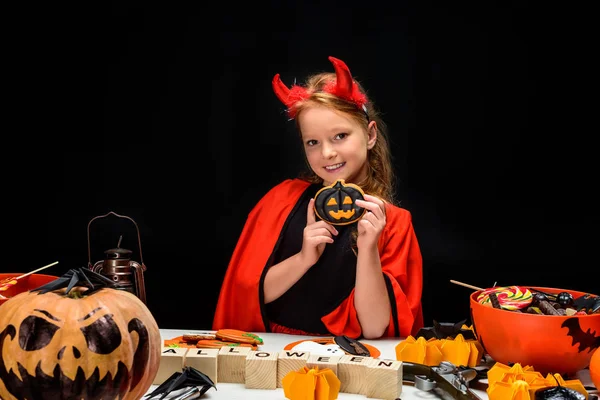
(509, 297)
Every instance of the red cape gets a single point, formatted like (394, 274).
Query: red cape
(239, 305)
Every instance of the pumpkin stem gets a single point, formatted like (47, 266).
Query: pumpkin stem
(78, 277)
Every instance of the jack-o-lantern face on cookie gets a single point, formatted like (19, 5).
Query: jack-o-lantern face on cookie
(335, 204)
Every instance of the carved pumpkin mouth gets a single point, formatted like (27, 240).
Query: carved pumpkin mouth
(342, 214)
(60, 386)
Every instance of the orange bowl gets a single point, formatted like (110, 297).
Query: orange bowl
(24, 284)
(548, 343)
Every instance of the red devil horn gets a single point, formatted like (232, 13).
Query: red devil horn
(282, 91)
(344, 78)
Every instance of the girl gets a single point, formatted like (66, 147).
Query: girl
(293, 273)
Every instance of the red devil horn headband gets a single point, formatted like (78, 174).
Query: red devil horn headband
(343, 87)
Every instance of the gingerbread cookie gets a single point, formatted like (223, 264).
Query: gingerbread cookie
(335, 204)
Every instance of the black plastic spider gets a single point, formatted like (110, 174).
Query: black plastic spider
(78, 277)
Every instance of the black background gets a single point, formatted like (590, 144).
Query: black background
(165, 113)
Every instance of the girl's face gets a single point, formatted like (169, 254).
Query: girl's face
(335, 144)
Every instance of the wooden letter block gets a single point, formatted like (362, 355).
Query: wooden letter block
(261, 370)
(352, 373)
(290, 361)
(204, 360)
(231, 364)
(331, 362)
(384, 379)
(171, 361)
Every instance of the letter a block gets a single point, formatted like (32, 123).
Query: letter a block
(171, 361)
(204, 360)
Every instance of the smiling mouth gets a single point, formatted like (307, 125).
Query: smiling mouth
(334, 167)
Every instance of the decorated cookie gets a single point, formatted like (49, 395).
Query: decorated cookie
(335, 204)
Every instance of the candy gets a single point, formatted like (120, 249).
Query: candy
(510, 297)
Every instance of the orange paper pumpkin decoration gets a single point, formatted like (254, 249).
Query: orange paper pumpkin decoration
(311, 384)
(595, 368)
(59, 345)
(335, 204)
(525, 383)
(419, 351)
(432, 352)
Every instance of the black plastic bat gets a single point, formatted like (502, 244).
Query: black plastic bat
(588, 303)
(558, 393)
(78, 277)
(189, 376)
(444, 330)
(352, 346)
(585, 340)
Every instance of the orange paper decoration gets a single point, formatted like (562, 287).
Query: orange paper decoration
(521, 383)
(431, 352)
(595, 368)
(311, 384)
(419, 351)
(575, 384)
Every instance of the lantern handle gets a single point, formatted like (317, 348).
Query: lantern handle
(116, 215)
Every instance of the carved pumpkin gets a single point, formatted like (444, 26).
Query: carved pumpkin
(81, 342)
(595, 368)
(335, 203)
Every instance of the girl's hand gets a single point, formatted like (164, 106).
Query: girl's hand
(372, 223)
(316, 235)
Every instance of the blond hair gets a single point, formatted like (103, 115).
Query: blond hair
(380, 180)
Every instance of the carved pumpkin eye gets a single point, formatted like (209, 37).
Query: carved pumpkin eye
(103, 335)
(35, 333)
(335, 204)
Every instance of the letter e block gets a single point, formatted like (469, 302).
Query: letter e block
(352, 373)
(331, 362)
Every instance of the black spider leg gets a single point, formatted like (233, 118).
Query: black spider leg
(164, 387)
(199, 377)
(55, 284)
(179, 382)
(96, 281)
(76, 279)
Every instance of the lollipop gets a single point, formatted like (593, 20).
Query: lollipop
(509, 297)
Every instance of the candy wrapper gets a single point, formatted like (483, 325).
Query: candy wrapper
(311, 384)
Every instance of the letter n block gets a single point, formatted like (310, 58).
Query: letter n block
(171, 361)
(261, 370)
(289, 361)
(384, 379)
(204, 360)
(231, 364)
(352, 373)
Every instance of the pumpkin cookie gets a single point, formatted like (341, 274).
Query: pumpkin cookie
(194, 337)
(238, 336)
(335, 204)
